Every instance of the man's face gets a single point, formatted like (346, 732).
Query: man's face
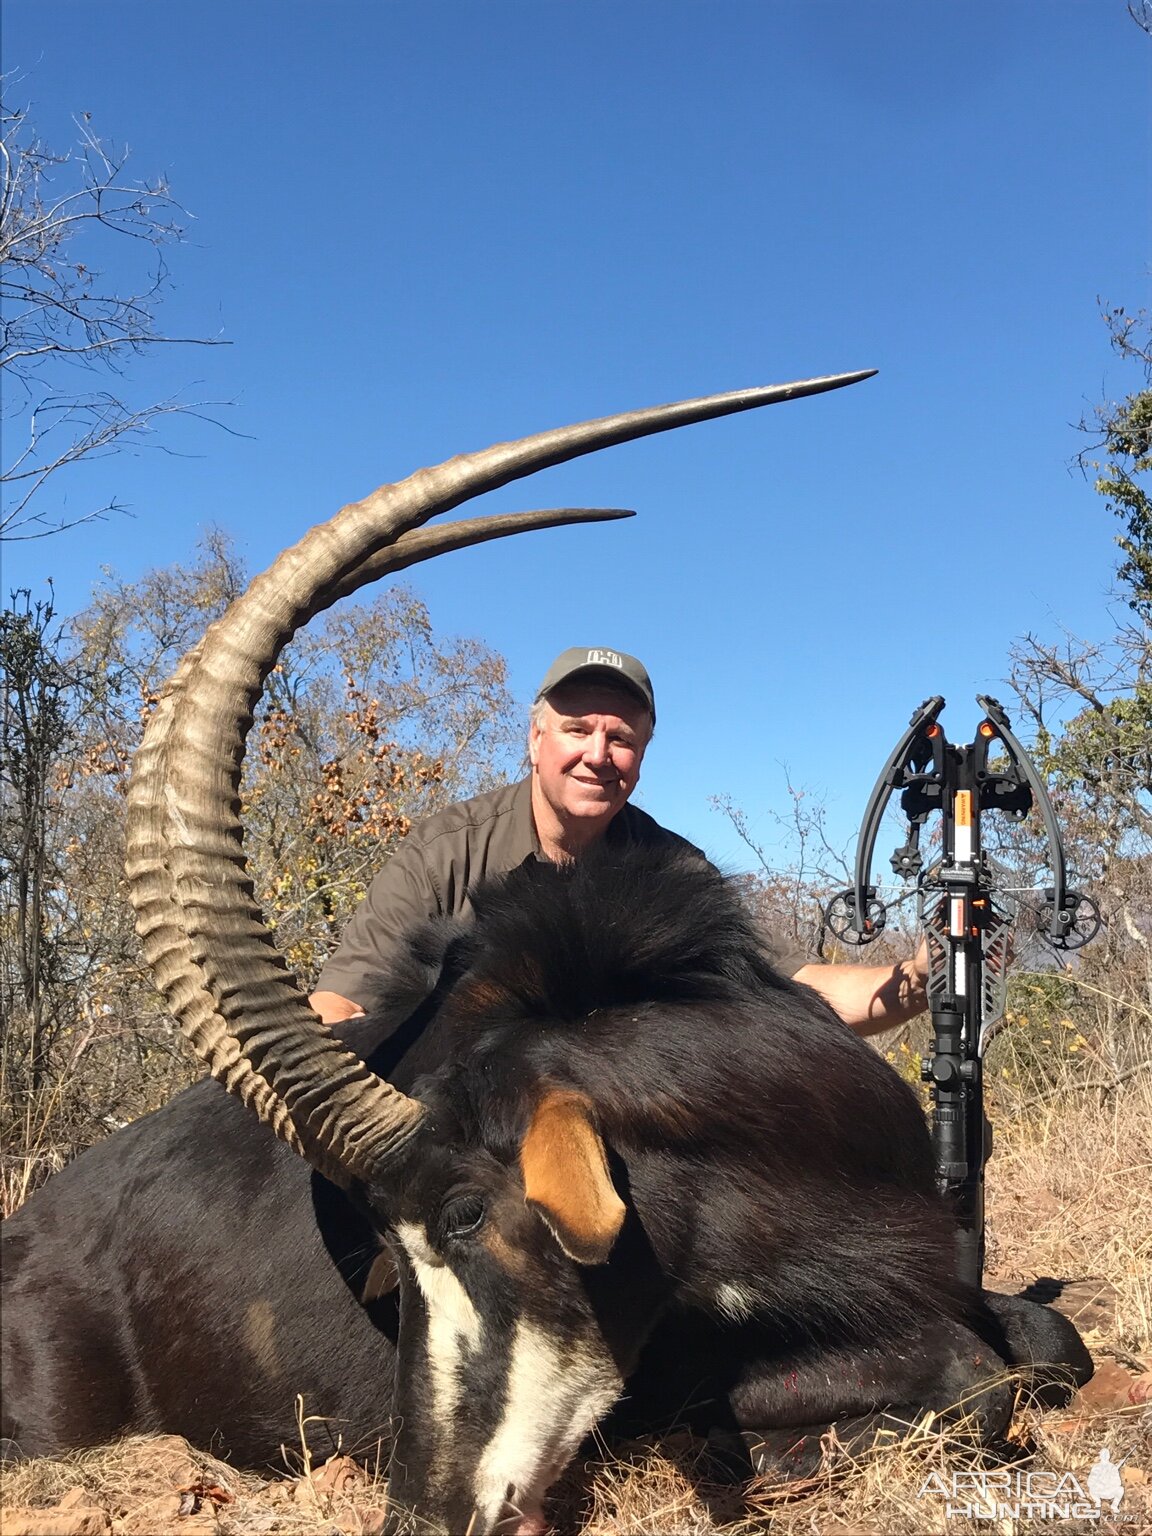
(587, 750)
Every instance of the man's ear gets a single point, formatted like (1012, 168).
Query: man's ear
(566, 1178)
(534, 734)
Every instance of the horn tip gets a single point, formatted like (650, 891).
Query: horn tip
(837, 380)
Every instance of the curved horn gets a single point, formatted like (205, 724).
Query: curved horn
(160, 915)
(423, 543)
(201, 928)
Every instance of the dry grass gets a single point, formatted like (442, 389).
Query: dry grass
(138, 1488)
(1070, 1185)
(885, 1493)
(1074, 1200)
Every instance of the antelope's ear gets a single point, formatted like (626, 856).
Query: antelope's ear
(382, 1278)
(566, 1177)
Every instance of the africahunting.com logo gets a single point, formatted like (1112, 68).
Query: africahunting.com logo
(1032, 1495)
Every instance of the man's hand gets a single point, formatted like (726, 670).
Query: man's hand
(872, 998)
(920, 965)
(333, 1008)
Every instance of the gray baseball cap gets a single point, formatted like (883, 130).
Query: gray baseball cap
(613, 666)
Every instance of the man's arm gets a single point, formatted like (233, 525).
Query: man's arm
(872, 998)
(400, 898)
(333, 1008)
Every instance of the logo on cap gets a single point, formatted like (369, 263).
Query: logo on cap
(604, 659)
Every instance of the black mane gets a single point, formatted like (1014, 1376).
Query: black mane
(619, 926)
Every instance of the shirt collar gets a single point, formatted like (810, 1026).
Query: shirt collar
(524, 827)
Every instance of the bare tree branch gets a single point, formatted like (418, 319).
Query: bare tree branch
(63, 216)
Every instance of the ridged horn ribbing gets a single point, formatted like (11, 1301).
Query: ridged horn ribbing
(202, 931)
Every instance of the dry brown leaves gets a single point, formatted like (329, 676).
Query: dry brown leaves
(160, 1486)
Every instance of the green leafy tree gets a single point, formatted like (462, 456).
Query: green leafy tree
(1125, 463)
(1090, 707)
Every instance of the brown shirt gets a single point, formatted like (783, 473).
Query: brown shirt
(445, 857)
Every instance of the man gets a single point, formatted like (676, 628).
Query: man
(591, 723)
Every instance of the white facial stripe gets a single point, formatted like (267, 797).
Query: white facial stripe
(444, 1294)
(553, 1400)
(453, 1322)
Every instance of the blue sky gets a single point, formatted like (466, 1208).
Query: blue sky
(425, 227)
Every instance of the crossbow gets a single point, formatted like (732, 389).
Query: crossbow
(967, 920)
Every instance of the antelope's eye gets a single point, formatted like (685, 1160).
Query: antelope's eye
(462, 1216)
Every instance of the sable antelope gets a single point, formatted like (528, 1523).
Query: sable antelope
(611, 1151)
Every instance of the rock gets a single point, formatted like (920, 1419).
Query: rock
(339, 1475)
(18, 1521)
(78, 1499)
(160, 1515)
(1111, 1389)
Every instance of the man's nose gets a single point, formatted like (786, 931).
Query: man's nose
(596, 749)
